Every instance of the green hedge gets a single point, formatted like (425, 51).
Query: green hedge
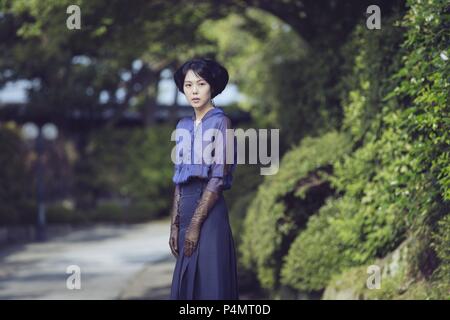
(316, 254)
(398, 178)
(441, 241)
(284, 202)
(392, 184)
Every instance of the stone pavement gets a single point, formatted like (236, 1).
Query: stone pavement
(152, 282)
(116, 262)
(113, 260)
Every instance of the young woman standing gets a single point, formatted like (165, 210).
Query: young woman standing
(200, 236)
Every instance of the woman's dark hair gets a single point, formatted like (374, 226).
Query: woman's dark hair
(213, 73)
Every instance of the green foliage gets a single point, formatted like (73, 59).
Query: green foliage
(339, 236)
(389, 88)
(352, 282)
(133, 164)
(246, 177)
(371, 59)
(316, 254)
(271, 220)
(376, 225)
(390, 181)
(442, 248)
(395, 181)
(77, 67)
(398, 280)
(284, 80)
(425, 86)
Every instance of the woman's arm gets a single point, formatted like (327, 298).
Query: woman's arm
(175, 221)
(207, 201)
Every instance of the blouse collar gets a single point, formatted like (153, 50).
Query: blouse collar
(210, 113)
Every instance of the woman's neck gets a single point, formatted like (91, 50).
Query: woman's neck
(199, 113)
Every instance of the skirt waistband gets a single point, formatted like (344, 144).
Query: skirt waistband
(193, 186)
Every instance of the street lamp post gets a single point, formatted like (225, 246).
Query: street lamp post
(50, 132)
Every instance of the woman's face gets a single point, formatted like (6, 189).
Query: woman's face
(197, 90)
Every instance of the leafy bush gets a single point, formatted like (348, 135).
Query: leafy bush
(442, 247)
(284, 202)
(396, 182)
(393, 183)
(246, 179)
(316, 254)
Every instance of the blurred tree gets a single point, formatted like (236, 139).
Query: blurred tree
(76, 68)
(113, 63)
(104, 66)
(109, 66)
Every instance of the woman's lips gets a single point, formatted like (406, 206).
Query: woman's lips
(195, 100)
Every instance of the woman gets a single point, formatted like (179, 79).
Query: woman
(200, 233)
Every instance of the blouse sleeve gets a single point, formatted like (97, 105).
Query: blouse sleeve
(178, 153)
(220, 168)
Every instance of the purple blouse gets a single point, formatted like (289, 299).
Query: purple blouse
(219, 172)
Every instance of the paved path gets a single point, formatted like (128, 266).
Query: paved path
(116, 262)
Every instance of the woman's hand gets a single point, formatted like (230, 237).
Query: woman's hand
(207, 201)
(191, 238)
(173, 240)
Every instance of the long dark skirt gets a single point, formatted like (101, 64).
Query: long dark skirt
(210, 272)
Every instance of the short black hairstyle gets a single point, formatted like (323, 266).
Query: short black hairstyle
(213, 73)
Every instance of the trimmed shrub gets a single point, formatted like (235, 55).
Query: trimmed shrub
(284, 202)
